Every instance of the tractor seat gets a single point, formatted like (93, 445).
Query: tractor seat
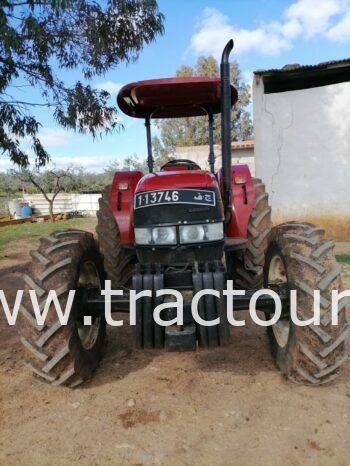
(179, 165)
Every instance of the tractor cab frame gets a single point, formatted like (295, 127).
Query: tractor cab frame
(184, 98)
(174, 98)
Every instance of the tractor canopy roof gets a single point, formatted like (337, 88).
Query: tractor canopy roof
(172, 97)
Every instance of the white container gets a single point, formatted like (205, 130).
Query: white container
(14, 208)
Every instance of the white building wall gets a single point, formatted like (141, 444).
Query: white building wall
(87, 203)
(245, 158)
(200, 154)
(302, 153)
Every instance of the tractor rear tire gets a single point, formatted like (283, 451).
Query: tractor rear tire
(118, 263)
(60, 354)
(247, 265)
(300, 255)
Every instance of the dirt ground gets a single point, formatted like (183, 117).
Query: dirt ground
(223, 406)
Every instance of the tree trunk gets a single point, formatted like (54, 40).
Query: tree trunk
(51, 210)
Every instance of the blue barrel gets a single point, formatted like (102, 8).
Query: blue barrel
(26, 211)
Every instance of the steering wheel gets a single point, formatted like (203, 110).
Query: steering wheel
(180, 162)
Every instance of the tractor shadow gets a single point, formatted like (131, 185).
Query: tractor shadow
(248, 352)
(121, 358)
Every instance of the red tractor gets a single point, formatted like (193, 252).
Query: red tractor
(186, 229)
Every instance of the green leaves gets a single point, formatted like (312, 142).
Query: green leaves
(86, 110)
(194, 131)
(92, 37)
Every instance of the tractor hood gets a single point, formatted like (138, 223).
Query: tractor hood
(176, 180)
(175, 197)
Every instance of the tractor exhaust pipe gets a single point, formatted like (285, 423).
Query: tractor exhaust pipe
(226, 128)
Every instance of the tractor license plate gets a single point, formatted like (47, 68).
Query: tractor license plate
(175, 196)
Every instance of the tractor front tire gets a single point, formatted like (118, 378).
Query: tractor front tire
(118, 263)
(247, 265)
(301, 256)
(60, 354)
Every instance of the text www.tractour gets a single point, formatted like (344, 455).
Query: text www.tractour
(41, 312)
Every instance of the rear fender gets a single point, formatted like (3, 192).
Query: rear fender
(122, 203)
(242, 200)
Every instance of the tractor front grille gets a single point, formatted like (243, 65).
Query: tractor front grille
(175, 214)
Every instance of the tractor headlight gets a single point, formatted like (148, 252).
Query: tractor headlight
(188, 234)
(155, 235)
(201, 233)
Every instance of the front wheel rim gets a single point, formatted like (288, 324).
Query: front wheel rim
(88, 334)
(277, 275)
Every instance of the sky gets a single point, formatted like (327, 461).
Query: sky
(267, 34)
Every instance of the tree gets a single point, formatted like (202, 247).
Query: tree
(132, 162)
(160, 157)
(50, 182)
(91, 37)
(108, 173)
(9, 184)
(194, 131)
(160, 154)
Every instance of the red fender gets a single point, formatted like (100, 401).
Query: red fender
(242, 200)
(122, 202)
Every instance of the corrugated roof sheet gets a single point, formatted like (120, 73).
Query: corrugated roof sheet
(297, 67)
(235, 145)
